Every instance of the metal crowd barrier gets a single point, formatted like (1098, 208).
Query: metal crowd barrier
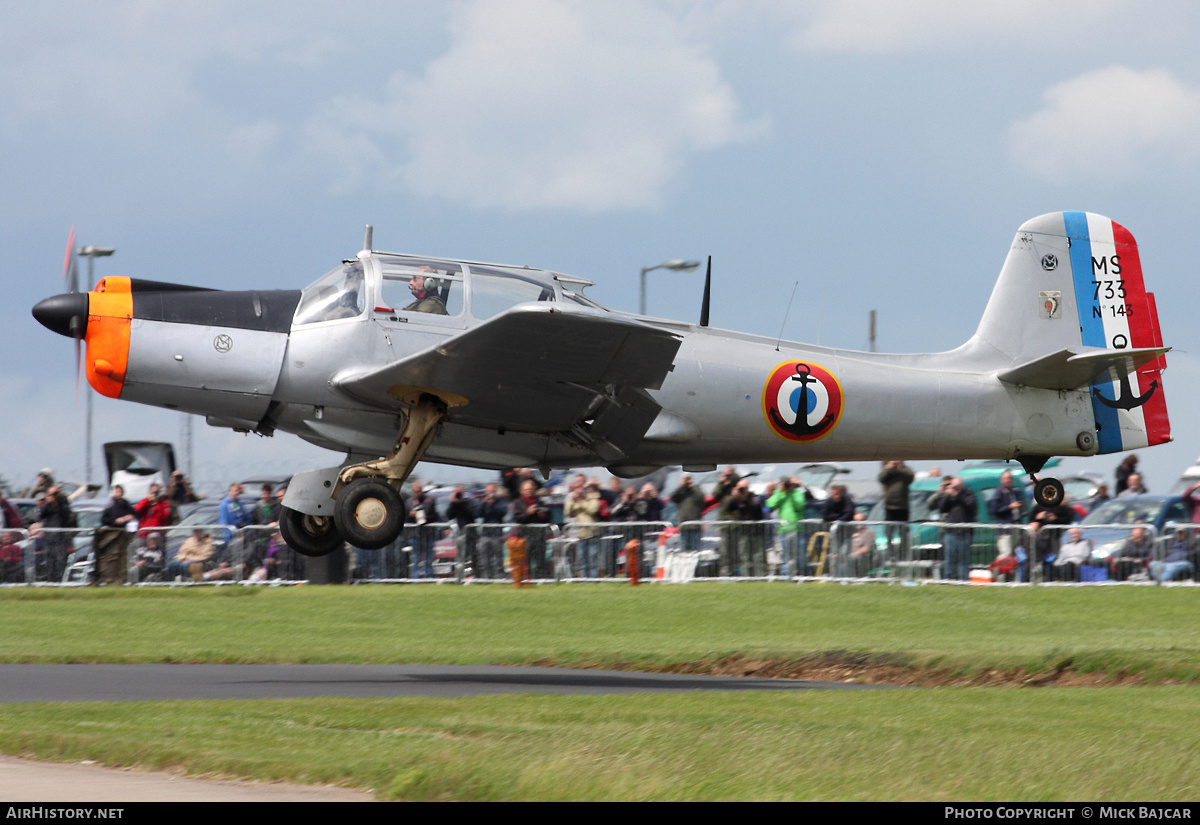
(441, 552)
(932, 551)
(715, 550)
(603, 550)
(569, 553)
(992, 553)
(924, 551)
(422, 552)
(1176, 554)
(17, 559)
(55, 555)
(1104, 553)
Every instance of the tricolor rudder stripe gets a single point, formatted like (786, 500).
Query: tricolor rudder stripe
(1116, 312)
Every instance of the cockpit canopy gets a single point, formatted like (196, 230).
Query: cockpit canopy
(394, 286)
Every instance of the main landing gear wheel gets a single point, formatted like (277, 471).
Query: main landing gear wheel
(1048, 492)
(309, 535)
(370, 513)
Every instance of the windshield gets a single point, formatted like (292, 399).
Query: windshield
(88, 518)
(918, 507)
(1080, 489)
(817, 475)
(201, 518)
(337, 294)
(1126, 511)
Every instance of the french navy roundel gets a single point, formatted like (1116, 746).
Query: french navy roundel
(802, 401)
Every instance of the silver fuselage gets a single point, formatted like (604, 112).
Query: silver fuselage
(930, 406)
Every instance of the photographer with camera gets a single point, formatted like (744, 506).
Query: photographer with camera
(955, 501)
(788, 502)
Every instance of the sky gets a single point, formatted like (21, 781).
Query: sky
(866, 154)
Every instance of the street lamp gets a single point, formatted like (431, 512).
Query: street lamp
(675, 266)
(91, 253)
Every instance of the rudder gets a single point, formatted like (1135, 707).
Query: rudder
(1116, 312)
(1077, 266)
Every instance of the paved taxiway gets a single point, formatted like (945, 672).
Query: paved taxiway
(42, 783)
(134, 683)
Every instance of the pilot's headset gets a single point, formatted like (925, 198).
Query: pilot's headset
(429, 284)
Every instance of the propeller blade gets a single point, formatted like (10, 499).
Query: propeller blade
(70, 268)
(77, 325)
(707, 290)
(78, 366)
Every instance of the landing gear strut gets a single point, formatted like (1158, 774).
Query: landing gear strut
(361, 503)
(370, 511)
(1047, 492)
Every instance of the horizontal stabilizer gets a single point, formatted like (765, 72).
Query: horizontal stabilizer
(1078, 367)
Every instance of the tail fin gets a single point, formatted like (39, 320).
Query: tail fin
(1070, 301)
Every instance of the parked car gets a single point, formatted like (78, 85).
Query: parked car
(82, 561)
(26, 508)
(206, 514)
(983, 479)
(445, 556)
(1160, 512)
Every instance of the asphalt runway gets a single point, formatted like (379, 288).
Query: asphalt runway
(22, 779)
(136, 683)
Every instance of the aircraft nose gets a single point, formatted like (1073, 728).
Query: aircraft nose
(65, 314)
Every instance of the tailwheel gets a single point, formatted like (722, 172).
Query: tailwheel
(309, 535)
(370, 513)
(1048, 492)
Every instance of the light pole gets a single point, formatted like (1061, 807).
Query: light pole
(91, 253)
(675, 266)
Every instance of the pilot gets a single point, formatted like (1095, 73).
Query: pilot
(424, 290)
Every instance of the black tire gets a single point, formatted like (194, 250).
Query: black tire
(1048, 492)
(309, 535)
(370, 513)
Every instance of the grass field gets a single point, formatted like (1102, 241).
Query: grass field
(939, 744)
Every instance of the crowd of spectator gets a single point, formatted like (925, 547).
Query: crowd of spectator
(131, 540)
(768, 532)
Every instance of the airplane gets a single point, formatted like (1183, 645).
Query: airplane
(393, 358)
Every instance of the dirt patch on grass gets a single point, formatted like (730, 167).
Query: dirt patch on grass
(873, 669)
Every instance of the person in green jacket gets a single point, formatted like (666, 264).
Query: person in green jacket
(787, 503)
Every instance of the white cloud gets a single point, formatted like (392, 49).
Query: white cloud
(126, 66)
(1113, 123)
(193, 96)
(543, 103)
(889, 27)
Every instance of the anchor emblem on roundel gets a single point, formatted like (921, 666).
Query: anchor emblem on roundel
(1126, 400)
(802, 401)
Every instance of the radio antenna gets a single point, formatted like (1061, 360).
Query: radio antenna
(785, 316)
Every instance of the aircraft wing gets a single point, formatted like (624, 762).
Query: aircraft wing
(539, 368)
(1077, 367)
